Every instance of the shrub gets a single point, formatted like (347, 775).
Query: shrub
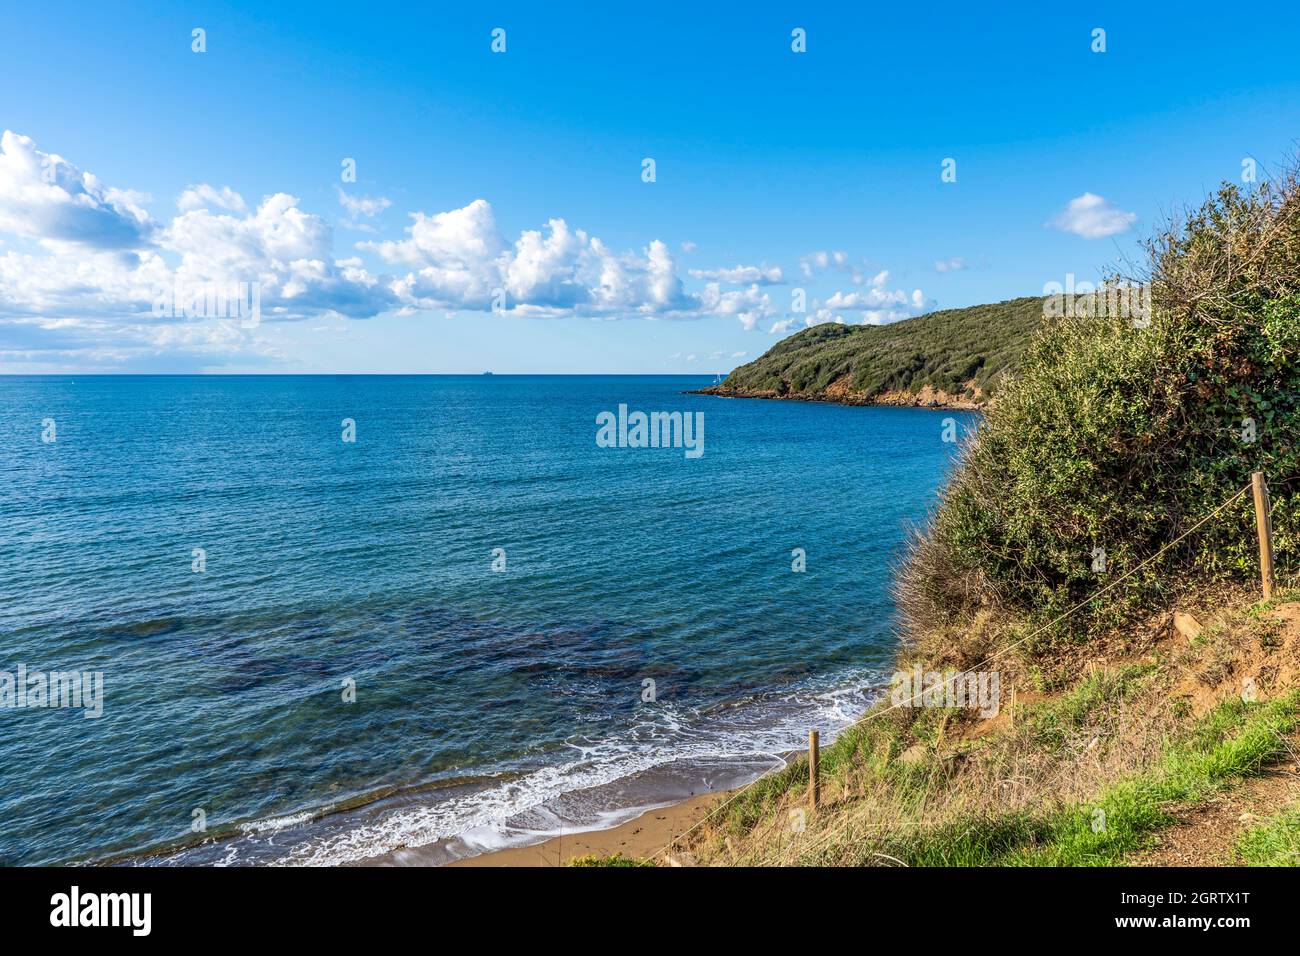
(1120, 438)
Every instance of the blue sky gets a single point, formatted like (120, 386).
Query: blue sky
(122, 140)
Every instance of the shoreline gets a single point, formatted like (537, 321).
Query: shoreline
(640, 814)
(886, 401)
(510, 823)
(639, 838)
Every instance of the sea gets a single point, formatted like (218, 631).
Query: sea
(336, 617)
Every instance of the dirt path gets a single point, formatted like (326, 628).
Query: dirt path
(1206, 835)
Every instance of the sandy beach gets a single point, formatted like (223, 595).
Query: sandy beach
(643, 837)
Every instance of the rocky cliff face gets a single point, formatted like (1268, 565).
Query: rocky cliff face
(840, 392)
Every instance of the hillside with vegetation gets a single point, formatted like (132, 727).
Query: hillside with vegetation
(956, 358)
(1095, 549)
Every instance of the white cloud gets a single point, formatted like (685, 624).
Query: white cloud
(459, 258)
(819, 316)
(282, 247)
(748, 305)
(456, 253)
(88, 289)
(878, 306)
(877, 297)
(884, 316)
(204, 196)
(86, 282)
(461, 238)
(816, 262)
(43, 196)
(953, 264)
(1093, 217)
(870, 299)
(81, 286)
(363, 207)
(742, 275)
(544, 269)
(859, 272)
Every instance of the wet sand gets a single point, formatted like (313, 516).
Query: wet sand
(642, 837)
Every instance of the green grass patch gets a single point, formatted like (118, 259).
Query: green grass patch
(1276, 842)
(1234, 740)
(1053, 722)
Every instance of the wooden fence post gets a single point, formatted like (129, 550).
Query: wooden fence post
(1264, 527)
(814, 769)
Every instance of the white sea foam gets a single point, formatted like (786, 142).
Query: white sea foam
(517, 812)
(275, 824)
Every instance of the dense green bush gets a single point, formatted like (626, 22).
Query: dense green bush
(1120, 438)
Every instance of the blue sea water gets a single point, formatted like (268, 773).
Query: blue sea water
(491, 706)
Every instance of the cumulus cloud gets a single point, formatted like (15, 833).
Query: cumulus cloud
(1092, 217)
(117, 268)
(461, 237)
(43, 196)
(104, 265)
(749, 306)
(878, 300)
(94, 265)
(285, 249)
(953, 264)
(459, 259)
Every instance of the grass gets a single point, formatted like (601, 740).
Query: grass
(1275, 842)
(1085, 774)
(910, 770)
(618, 859)
(1235, 740)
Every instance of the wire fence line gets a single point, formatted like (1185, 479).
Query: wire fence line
(1246, 489)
